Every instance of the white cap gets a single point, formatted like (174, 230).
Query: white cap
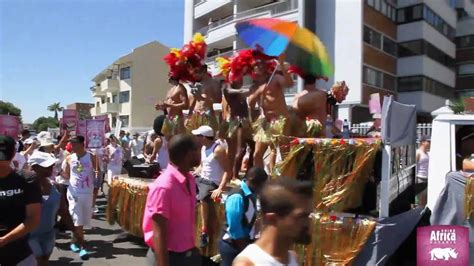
(45, 138)
(205, 131)
(28, 141)
(42, 159)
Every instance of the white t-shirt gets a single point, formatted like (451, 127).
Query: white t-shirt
(136, 147)
(259, 257)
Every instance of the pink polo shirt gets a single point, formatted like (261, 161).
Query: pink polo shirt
(169, 197)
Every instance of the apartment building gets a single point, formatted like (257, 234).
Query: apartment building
(465, 49)
(404, 48)
(216, 20)
(130, 86)
(84, 109)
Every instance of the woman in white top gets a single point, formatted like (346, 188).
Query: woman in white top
(422, 160)
(115, 159)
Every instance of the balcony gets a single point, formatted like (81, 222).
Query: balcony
(110, 85)
(227, 25)
(110, 108)
(96, 111)
(97, 91)
(204, 9)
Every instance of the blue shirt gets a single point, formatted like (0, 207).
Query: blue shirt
(234, 209)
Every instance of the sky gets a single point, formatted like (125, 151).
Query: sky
(51, 49)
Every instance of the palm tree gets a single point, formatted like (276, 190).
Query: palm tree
(55, 107)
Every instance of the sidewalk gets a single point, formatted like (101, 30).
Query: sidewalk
(107, 245)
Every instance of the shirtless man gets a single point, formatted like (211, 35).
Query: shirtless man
(205, 93)
(176, 101)
(272, 102)
(240, 130)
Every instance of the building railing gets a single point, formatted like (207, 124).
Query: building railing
(422, 130)
(225, 54)
(272, 9)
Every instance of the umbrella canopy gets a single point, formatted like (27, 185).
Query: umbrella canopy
(275, 36)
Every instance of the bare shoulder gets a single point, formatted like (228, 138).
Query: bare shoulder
(242, 261)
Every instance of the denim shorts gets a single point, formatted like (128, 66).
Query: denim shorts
(42, 244)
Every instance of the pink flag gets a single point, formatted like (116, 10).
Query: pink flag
(81, 128)
(9, 126)
(106, 119)
(69, 122)
(95, 137)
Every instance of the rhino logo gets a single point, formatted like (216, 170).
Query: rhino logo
(443, 254)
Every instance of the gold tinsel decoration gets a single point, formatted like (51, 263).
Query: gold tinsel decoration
(468, 199)
(336, 239)
(338, 169)
(195, 120)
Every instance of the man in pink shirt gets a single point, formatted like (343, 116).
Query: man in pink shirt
(169, 219)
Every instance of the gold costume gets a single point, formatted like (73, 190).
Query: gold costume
(195, 120)
(267, 131)
(228, 128)
(173, 126)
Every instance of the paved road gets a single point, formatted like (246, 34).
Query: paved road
(107, 243)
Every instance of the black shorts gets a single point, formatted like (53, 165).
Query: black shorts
(205, 186)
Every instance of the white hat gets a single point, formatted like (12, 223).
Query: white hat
(28, 141)
(42, 159)
(45, 138)
(205, 131)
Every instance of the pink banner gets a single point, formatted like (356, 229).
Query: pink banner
(106, 119)
(9, 125)
(374, 104)
(95, 133)
(81, 128)
(69, 122)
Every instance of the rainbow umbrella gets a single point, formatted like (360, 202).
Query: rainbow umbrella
(275, 36)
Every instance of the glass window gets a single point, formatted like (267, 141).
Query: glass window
(394, 14)
(372, 37)
(377, 4)
(383, 7)
(410, 48)
(125, 120)
(125, 73)
(372, 77)
(114, 98)
(370, 2)
(389, 46)
(410, 83)
(124, 97)
(417, 12)
(102, 99)
(401, 15)
(389, 82)
(465, 41)
(466, 69)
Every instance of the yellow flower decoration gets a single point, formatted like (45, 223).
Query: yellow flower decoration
(198, 38)
(223, 64)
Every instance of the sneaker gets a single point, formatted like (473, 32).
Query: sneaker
(84, 254)
(203, 240)
(75, 248)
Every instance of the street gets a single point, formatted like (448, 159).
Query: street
(106, 244)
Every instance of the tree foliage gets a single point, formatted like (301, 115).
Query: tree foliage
(9, 108)
(42, 123)
(55, 107)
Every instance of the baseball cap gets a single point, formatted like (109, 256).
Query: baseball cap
(77, 139)
(42, 159)
(205, 131)
(7, 148)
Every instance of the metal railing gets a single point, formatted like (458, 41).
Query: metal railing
(225, 54)
(272, 9)
(421, 130)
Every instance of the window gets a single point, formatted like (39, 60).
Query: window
(422, 47)
(422, 83)
(389, 46)
(466, 69)
(114, 121)
(97, 104)
(465, 41)
(383, 7)
(379, 79)
(370, 3)
(125, 73)
(102, 100)
(372, 77)
(124, 97)
(372, 37)
(418, 12)
(377, 4)
(108, 99)
(125, 120)
(114, 98)
(401, 16)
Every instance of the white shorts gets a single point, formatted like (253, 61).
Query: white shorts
(80, 208)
